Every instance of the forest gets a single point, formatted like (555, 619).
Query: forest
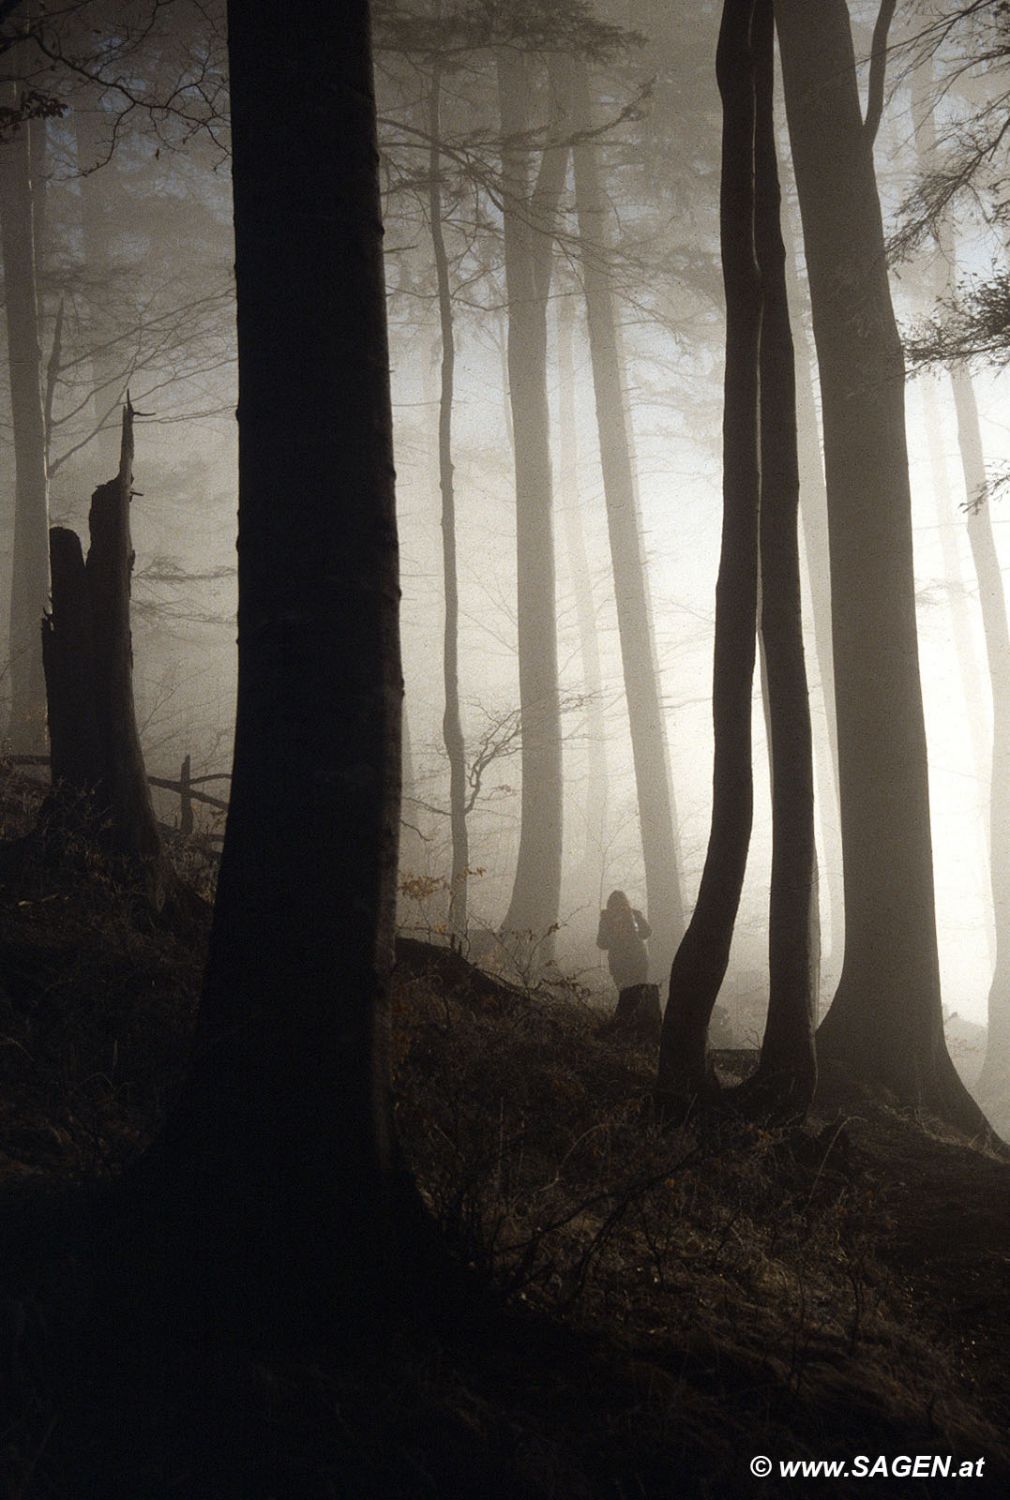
(504, 749)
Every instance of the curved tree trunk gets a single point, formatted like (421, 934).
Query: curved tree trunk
(656, 815)
(787, 1073)
(885, 1024)
(529, 217)
(29, 594)
(700, 963)
(452, 731)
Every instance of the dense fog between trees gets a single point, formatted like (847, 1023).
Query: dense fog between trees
(550, 200)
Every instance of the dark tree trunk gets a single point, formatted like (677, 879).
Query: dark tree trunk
(700, 964)
(68, 653)
(88, 650)
(125, 796)
(452, 731)
(656, 814)
(885, 1023)
(29, 595)
(814, 525)
(285, 1138)
(528, 226)
(787, 1073)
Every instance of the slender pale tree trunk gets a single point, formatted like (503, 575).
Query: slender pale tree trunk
(885, 1024)
(570, 507)
(994, 1081)
(657, 821)
(701, 960)
(29, 596)
(529, 218)
(960, 610)
(452, 731)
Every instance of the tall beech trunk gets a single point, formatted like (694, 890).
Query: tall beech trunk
(814, 526)
(29, 593)
(885, 1024)
(994, 1082)
(529, 218)
(656, 814)
(585, 606)
(787, 1072)
(961, 609)
(88, 653)
(701, 960)
(284, 1140)
(452, 731)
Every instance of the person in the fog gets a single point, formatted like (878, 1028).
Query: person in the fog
(622, 935)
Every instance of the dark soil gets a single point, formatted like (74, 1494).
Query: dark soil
(647, 1311)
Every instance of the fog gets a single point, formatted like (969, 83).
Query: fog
(137, 250)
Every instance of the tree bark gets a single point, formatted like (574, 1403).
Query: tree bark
(885, 1024)
(656, 814)
(285, 1137)
(452, 731)
(701, 960)
(529, 218)
(787, 1073)
(814, 524)
(30, 567)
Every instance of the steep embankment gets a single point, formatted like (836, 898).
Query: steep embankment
(667, 1306)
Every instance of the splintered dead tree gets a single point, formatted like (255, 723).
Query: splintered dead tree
(759, 583)
(87, 649)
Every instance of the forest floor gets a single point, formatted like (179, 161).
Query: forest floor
(662, 1307)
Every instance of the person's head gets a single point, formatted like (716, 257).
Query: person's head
(618, 901)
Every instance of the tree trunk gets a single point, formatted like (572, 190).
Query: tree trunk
(885, 1024)
(814, 523)
(285, 1137)
(700, 964)
(585, 606)
(994, 1082)
(68, 654)
(88, 651)
(30, 566)
(452, 731)
(787, 1073)
(657, 821)
(529, 218)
